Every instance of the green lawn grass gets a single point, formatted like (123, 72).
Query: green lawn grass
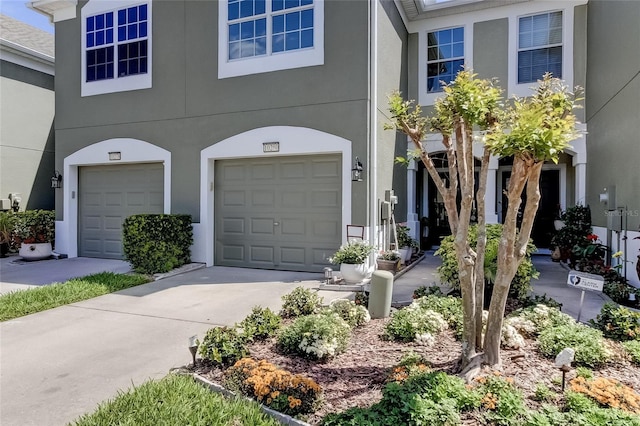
(24, 302)
(175, 400)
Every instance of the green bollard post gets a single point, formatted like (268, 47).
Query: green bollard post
(380, 294)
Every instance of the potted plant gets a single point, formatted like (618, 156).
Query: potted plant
(352, 258)
(405, 243)
(7, 223)
(34, 233)
(388, 260)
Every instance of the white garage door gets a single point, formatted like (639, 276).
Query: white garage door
(107, 195)
(278, 213)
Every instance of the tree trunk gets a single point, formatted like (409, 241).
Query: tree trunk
(507, 261)
(481, 246)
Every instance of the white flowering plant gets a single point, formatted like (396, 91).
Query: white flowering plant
(318, 336)
(354, 315)
(353, 253)
(413, 323)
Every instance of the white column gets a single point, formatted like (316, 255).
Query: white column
(413, 221)
(581, 183)
(490, 197)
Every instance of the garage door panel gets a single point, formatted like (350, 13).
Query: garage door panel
(293, 170)
(262, 172)
(233, 226)
(326, 169)
(325, 198)
(284, 211)
(262, 226)
(262, 254)
(232, 252)
(327, 227)
(109, 194)
(234, 198)
(293, 227)
(294, 200)
(263, 198)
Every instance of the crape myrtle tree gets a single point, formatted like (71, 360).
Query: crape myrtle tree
(532, 130)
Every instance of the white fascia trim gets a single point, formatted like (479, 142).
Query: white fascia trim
(56, 10)
(454, 21)
(293, 141)
(532, 8)
(27, 58)
(116, 84)
(131, 151)
(273, 62)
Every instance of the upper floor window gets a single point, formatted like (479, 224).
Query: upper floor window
(116, 46)
(268, 35)
(445, 57)
(539, 46)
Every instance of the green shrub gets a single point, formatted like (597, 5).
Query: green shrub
(353, 253)
(584, 411)
(361, 298)
(260, 323)
(617, 289)
(354, 315)
(288, 393)
(414, 323)
(423, 398)
(633, 349)
(317, 336)
(584, 372)
(157, 243)
(223, 346)
(577, 225)
(586, 341)
(543, 393)
(502, 401)
(423, 290)
(448, 271)
(618, 323)
(449, 307)
(299, 302)
(33, 226)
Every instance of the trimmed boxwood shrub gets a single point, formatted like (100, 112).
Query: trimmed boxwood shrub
(157, 243)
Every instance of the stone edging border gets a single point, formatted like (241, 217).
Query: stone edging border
(282, 418)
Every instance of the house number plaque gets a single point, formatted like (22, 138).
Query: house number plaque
(271, 147)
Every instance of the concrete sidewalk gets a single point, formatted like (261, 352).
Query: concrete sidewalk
(17, 274)
(552, 282)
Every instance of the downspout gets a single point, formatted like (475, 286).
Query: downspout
(373, 122)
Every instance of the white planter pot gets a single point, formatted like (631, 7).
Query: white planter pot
(353, 274)
(405, 254)
(35, 251)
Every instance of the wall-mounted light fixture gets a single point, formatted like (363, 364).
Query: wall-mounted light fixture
(56, 180)
(356, 172)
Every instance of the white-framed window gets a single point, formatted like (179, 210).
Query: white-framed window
(268, 35)
(116, 46)
(539, 46)
(445, 57)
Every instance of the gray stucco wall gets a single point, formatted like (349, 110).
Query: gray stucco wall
(26, 135)
(491, 49)
(189, 108)
(392, 76)
(613, 106)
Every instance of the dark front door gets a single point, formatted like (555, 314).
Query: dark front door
(547, 210)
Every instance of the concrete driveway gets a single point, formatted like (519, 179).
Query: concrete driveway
(58, 364)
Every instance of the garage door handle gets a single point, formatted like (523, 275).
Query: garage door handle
(276, 223)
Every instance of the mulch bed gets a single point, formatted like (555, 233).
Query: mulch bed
(356, 377)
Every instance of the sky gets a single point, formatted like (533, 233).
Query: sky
(18, 9)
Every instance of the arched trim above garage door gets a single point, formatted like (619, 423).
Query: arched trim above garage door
(250, 144)
(128, 151)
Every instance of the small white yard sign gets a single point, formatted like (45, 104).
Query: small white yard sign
(585, 281)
